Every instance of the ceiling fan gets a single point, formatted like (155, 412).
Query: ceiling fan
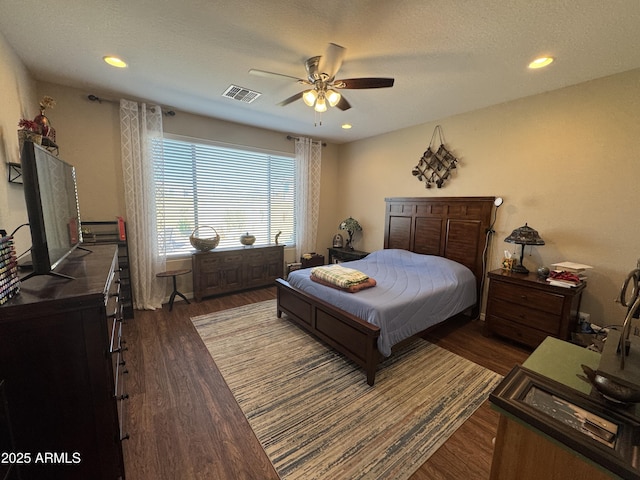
(321, 74)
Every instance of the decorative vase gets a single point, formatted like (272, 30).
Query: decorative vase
(48, 132)
(247, 239)
(43, 121)
(543, 272)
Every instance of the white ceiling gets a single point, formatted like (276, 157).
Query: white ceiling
(447, 56)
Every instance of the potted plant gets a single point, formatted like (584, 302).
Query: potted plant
(29, 131)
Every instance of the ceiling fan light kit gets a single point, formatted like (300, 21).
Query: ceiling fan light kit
(321, 104)
(309, 97)
(333, 97)
(321, 73)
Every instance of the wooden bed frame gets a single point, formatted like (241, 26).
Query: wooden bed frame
(451, 227)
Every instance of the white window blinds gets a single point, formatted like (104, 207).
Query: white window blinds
(235, 191)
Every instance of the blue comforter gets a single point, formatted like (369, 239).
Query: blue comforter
(413, 292)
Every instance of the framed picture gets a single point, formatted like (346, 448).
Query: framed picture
(603, 433)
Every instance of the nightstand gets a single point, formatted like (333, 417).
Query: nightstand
(338, 255)
(527, 309)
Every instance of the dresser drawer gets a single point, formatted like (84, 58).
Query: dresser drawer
(520, 333)
(213, 262)
(528, 297)
(521, 315)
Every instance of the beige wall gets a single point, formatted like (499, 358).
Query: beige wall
(567, 162)
(18, 100)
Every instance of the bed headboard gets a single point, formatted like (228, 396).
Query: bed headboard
(451, 227)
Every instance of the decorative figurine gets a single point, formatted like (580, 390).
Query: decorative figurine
(338, 241)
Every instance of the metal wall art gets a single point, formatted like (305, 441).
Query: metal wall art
(435, 166)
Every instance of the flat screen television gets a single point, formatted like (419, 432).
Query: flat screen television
(51, 199)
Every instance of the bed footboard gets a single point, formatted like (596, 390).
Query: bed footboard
(346, 333)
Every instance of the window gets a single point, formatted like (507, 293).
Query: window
(231, 189)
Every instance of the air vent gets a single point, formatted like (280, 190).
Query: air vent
(241, 94)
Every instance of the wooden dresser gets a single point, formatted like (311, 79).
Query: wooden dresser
(527, 309)
(61, 349)
(228, 270)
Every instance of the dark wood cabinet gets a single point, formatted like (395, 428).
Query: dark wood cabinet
(232, 269)
(109, 232)
(9, 470)
(338, 255)
(57, 360)
(527, 309)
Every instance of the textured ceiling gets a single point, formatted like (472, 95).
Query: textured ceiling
(447, 56)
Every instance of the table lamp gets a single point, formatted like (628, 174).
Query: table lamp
(524, 235)
(351, 225)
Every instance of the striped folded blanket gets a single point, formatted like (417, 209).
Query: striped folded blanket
(339, 276)
(370, 282)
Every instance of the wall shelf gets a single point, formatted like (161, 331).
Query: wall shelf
(15, 172)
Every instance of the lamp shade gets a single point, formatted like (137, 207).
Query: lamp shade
(350, 225)
(525, 235)
(321, 105)
(333, 97)
(309, 97)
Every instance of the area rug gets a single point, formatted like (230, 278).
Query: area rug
(314, 413)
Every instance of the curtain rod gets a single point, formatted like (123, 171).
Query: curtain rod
(289, 137)
(95, 98)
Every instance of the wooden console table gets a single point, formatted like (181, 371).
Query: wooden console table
(229, 270)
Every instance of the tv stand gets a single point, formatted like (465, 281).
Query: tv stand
(51, 272)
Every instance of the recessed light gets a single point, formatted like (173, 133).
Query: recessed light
(541, 62)
(115, 61)
(346, 126)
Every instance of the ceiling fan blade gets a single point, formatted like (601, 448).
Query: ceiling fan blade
(343, 104)
(355, 83)
(331, 61)
(291, 99)
(263, 73)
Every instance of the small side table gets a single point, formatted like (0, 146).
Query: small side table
(173, 274)
(337, 255)
(314, 260)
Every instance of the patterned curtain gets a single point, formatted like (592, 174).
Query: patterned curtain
(307, 205)
(141, 138)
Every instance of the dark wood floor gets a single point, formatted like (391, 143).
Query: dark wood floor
(185, 424)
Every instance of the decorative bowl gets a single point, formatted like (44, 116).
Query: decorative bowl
(204, 244)
(610, 389)
(247, 239)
